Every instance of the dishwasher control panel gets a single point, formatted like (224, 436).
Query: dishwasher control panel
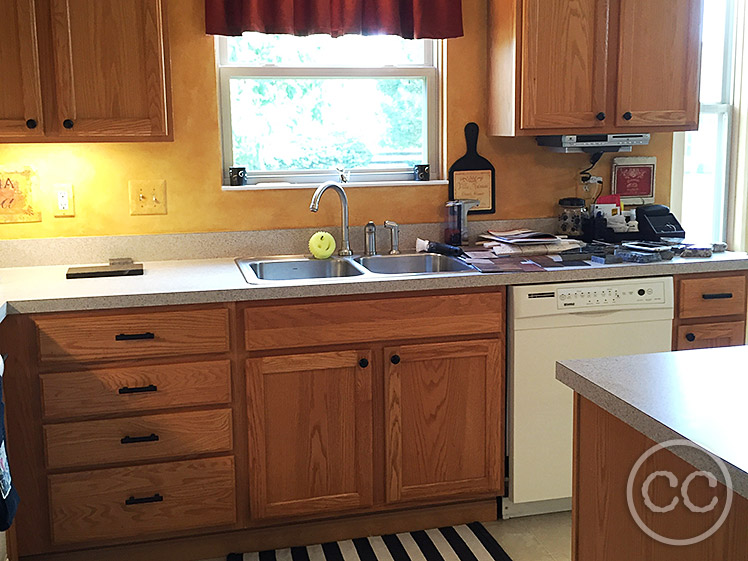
(600, 296)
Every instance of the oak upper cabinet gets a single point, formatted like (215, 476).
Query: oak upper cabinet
(659, 46)
(594, 66)
(310, 433)
(444, 420)
(20, 92)
(104, 72)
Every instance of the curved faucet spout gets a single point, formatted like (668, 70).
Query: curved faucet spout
(314, 207)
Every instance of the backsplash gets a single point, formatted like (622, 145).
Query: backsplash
(529, 180)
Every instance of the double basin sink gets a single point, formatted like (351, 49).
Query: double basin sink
(296, 267)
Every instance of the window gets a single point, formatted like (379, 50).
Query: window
(295, 109)
(705, 152)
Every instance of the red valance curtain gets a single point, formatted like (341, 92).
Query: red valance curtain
(412, 19)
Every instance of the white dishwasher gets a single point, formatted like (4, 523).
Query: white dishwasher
(551, 322)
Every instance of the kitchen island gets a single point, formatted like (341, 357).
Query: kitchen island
(633, 501)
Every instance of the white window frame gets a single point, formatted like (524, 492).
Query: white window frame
(726, 109)
(430, 71)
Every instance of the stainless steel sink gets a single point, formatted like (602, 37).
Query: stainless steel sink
(296, 267)
(414, 263)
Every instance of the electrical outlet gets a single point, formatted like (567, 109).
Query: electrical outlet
(147, 196)
(64, 200)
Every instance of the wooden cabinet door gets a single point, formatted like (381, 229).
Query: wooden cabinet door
(110, 68)
(20, 89)
(444, 420)
(708, 335)
(564, 64)
(658, 63)
(310, 433)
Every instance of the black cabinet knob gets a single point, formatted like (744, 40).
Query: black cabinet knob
(31, 124)
(68, 123)
(363, 363)
(627, 115)
(690, 337)
(395, 359)
(600, 116)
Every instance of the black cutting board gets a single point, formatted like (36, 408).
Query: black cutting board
(472, 161)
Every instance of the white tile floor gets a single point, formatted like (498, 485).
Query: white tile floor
(531, 538)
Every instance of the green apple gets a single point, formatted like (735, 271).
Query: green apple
(322, 245)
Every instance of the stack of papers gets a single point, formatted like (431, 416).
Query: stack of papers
(521, 236)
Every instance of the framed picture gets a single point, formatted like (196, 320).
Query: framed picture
(474, 184)
(634, 179)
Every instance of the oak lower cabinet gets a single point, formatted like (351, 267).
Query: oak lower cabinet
(188, 432)
(593, 66)
(121, 427)
(444, 424)
(310, 433)
(710, 310)
(375, 403)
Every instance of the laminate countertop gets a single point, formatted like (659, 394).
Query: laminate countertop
(697, 395)
(45, 288)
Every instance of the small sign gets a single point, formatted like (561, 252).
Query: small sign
(17, 189)
(634, 179)
(474, 185)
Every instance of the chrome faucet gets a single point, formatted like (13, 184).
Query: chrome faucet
(314, 207)
(394, 229)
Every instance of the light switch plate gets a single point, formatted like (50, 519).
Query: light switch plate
(64, 200)
(147, 196)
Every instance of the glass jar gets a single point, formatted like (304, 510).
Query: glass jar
(570, 211)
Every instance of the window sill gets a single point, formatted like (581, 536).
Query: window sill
(277, 186)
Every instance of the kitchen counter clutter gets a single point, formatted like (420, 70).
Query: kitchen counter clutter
(45, 288)
(661, 466)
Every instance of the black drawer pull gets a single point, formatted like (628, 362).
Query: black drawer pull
(363, 363)
(68, 123)
(139, 389)
(395, 359)
(134, 336)
(717, 296)
(135, 439)
(690, 337)
(144, 500)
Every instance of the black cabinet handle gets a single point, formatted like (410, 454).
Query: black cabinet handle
(690, 337)
(395, 359)
(717, 296)
(363, 363)
(627, 115)
(31, 124)
(134, 336)
(144, 500)
(138, 389)
(135, 439)
(68, 123)
(600, 116)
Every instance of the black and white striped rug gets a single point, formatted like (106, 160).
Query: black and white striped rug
(469, 542)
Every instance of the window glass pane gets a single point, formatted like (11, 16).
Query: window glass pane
(258, 49)
(311, 123)
(704, 179)
(713, 51)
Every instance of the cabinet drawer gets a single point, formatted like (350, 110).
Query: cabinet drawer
(711, 297)
(137, 388)
(135, 501)
(707, 335)
(380, 319)
(133, 439)
(150, 334)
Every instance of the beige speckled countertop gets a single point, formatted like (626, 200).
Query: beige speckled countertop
(697, 395)
(45, 288)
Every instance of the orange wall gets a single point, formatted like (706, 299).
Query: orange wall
(529, 180)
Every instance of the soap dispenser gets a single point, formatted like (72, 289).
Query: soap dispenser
(456, 221)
